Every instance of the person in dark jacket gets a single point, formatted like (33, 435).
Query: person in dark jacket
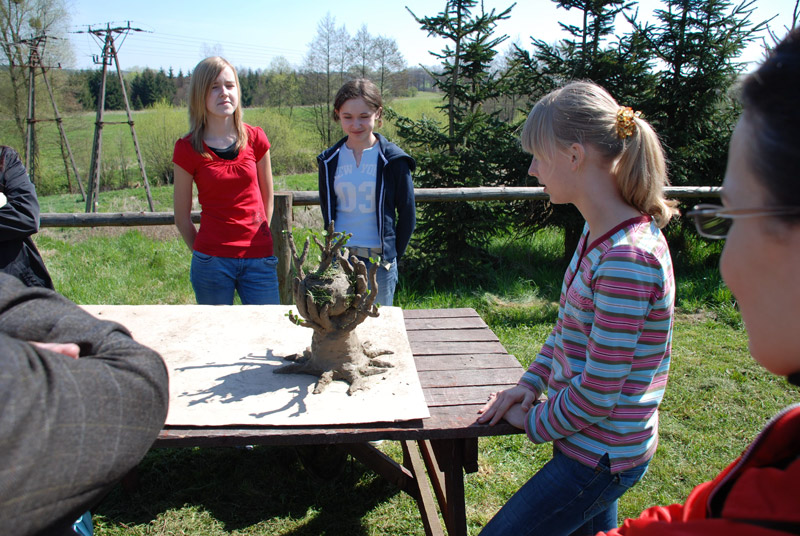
(19, 219)
(759, 493)
(80, 404)
(365, 185)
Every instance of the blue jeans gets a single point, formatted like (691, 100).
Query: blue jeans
(387, 282)
(565, 498)
(215, 279)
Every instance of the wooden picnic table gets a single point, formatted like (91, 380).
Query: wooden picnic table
(460, 361)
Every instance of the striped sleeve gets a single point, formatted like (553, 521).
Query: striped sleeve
(535, 378)
(618, 299)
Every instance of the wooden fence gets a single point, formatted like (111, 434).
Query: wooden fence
(282, 215)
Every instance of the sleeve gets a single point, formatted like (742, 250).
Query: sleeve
(328, 209)
(405, 205)
(185, 156)
(258, 141)
(538, 373)
(624, 284)
(19, 217)
(71, 427)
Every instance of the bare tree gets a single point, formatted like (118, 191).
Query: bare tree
(388, 60)
(325, 65)
(21, 20)
(362, 52)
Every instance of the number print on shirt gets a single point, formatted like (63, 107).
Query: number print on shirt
(351, 199)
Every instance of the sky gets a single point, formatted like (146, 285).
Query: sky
(179, 33)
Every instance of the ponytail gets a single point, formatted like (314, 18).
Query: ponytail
(641, 173)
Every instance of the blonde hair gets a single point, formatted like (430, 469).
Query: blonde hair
(203, 76)
(585, 113)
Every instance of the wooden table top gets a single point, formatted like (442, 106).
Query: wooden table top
(460, 361)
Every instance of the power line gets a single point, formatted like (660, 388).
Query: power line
(183, 50)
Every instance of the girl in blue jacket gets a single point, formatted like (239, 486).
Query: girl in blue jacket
(365, 185)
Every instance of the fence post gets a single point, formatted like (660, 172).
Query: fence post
(282, 221)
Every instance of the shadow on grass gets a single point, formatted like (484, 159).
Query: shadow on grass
(244, 487)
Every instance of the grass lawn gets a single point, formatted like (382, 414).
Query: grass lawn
(717, 398)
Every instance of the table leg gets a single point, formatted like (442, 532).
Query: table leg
(409, 477)
(427, 507)
(446, 460)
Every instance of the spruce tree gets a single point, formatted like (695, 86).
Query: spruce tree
(696, 44)
(591, 51)
(474, 148)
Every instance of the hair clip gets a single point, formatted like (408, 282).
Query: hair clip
(625, 121)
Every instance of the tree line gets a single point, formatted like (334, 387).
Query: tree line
(279, 85)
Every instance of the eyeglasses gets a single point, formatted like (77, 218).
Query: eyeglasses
(714, 221)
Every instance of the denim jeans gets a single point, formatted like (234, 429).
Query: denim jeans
(387, 282)
(215, 279)
(565, 498)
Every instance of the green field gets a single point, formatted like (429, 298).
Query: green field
(716, 401)
(292, 134)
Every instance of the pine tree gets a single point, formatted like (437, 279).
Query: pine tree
(590, 52)
(475, 148)
(697, 42)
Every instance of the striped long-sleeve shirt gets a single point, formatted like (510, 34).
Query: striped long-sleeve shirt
(606, 362)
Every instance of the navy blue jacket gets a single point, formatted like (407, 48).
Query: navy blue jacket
(396, 213)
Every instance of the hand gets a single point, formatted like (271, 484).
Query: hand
(517, 402)
(68, 349)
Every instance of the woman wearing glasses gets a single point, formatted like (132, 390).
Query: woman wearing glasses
(759, 493)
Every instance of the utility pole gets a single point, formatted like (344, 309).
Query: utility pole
(36, 47)
(109, 54)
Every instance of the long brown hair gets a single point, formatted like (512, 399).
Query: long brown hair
(203, 76)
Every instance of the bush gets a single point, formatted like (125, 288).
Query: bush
(158, 130)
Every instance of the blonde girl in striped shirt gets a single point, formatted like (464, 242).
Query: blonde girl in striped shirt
(604, 366)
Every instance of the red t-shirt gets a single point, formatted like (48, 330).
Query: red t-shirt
(233, 221)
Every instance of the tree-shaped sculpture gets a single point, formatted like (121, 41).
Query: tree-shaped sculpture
(332, 301)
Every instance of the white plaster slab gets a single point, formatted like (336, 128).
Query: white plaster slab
(221, 358)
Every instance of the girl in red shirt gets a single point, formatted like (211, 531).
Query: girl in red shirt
(230, 163)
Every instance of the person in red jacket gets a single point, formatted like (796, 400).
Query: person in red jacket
(759, 493)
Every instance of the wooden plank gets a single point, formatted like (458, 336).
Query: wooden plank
(446, 422)
(385, 466)
(422, 491)
(450, 458)
(455, 396)
(439, 313)
(455, 348)
(459, 323)
(469, 378)
(436, 475)
(471, 361)
(458, 335)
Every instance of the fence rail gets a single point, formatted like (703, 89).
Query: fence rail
(282, 215)
(301, 198)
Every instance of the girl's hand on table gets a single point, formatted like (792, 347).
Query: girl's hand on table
(512, 404)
